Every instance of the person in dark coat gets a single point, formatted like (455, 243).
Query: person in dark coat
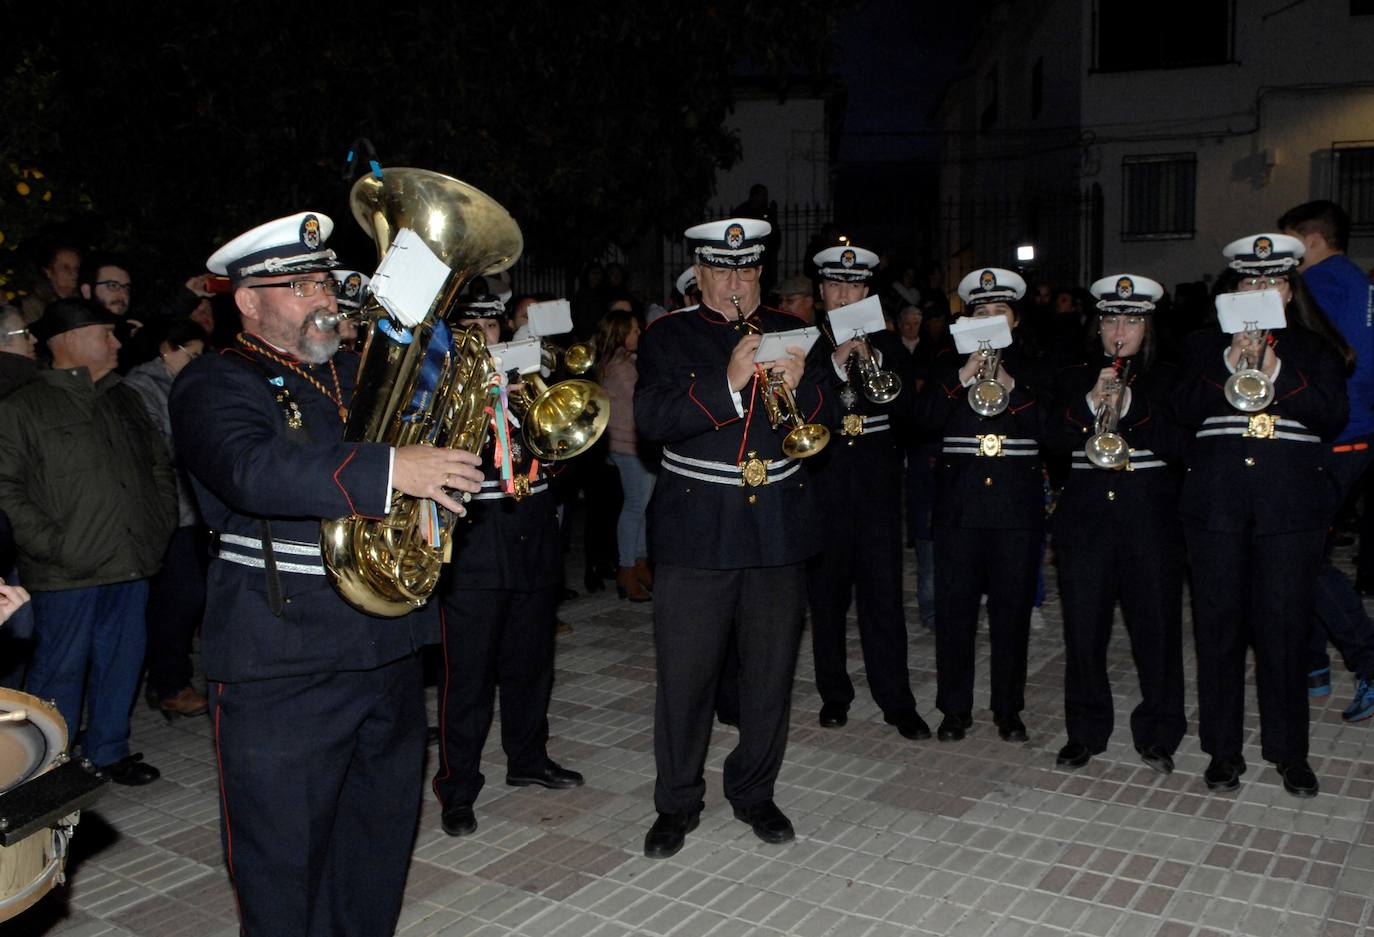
(318, 707)
(500, 595)
(858, 480)
(989, 510)
(1255, 506)
(731, 525)
(1115, 527)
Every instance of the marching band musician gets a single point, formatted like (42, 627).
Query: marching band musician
(731, 525)
(1115, 528)
(318, 708)
(862, 555)
(989, 512)
(1255, 506)
(500, 596)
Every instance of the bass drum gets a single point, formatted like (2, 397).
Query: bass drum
(33, 740)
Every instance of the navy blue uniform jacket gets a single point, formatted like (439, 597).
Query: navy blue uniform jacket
(247, 466)
(683, 401)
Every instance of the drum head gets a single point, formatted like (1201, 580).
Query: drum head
(28, 747)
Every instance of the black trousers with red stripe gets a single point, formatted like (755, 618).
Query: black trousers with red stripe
(320, 780)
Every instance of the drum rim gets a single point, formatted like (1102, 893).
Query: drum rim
(44, 717)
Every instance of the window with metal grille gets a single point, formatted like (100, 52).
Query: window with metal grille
(1352, 183)
(1158, 196)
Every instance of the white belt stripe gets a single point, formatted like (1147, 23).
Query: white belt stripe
(775, 465)
(1245, 421)
(974, 440)
(736, 479)
(974, 450)
(258, 562)
(1242, 430)
(294, 547)
(1154, 463)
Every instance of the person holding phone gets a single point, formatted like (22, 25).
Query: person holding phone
(1256, 500)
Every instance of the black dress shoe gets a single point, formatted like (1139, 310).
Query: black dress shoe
(458, 820)
(551, 776)
(1073, 755)
(952, 728)
(768, 822)
(1223, 774)
(131, 771)
(1011, 728)
(1156, 757)
(666, 836)
(834, 715)
(1298, 779)
(909, 724)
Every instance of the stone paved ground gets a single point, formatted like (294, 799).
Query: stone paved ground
(894, 837)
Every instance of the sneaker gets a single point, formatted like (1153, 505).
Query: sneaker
(1319, 683)
(1362, 706)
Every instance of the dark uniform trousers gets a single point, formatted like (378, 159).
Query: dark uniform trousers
(1116, 538)
(730, 547)
(695, 611)
(860, 485)
(318, 709)
(1254, 514)
(500, 596)
(300, 754)
(989, 527)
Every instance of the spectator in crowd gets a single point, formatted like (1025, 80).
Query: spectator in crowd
(934, 302)
(18, 350)
(915, 358)
(86, 481)
(797, 295)
(176, 594)
(59, 266)
(904, 291)
(1347, 298)
(105, 280)
(600, 484)
(617, 339)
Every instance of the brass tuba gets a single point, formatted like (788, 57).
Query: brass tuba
(390, 566)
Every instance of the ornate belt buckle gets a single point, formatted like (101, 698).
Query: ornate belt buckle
(990, 444)
(1262, 426)
(754, 471)
(853, 425)
(522, 487)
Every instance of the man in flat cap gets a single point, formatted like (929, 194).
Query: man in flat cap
(86, 481)
(318, 708)
(731, 525)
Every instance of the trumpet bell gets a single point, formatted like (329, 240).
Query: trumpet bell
(1249, 390)
(579, 359)
(566, 419)
(987, 398)
(882, 387)
(1108, 451)
(806, 440)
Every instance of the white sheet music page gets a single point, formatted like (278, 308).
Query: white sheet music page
(409, 279)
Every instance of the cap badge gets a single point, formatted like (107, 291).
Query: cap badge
(310, 232)
(1263, 248)
(1125, 288)
(847, 258)
(987, 281)
(352, 285)
(734, 236)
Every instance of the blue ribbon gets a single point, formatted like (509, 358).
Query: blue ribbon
(431, 370)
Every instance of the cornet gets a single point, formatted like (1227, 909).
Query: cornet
(1249, 390)
(1105, 448)
(986, 396)
(878, 385)
(803, 439)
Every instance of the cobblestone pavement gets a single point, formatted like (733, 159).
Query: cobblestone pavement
(980, 837)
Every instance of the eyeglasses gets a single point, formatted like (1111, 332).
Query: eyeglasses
(1261, 283)
(193, 355)
(16, 332)
(118, 286)
(1110, 321)
(745, 274)
(303, 288)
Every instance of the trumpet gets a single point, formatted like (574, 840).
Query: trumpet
(878, 385)
(987, 397)
(1250, 390)
(803, 439)
(1106, 448)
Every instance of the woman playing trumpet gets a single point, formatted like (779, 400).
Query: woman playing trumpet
(1115, 528)
(1255, 506)
(989, 509)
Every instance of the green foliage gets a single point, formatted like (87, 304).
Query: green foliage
(592, 123)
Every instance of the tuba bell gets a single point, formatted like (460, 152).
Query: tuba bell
(389, 566)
